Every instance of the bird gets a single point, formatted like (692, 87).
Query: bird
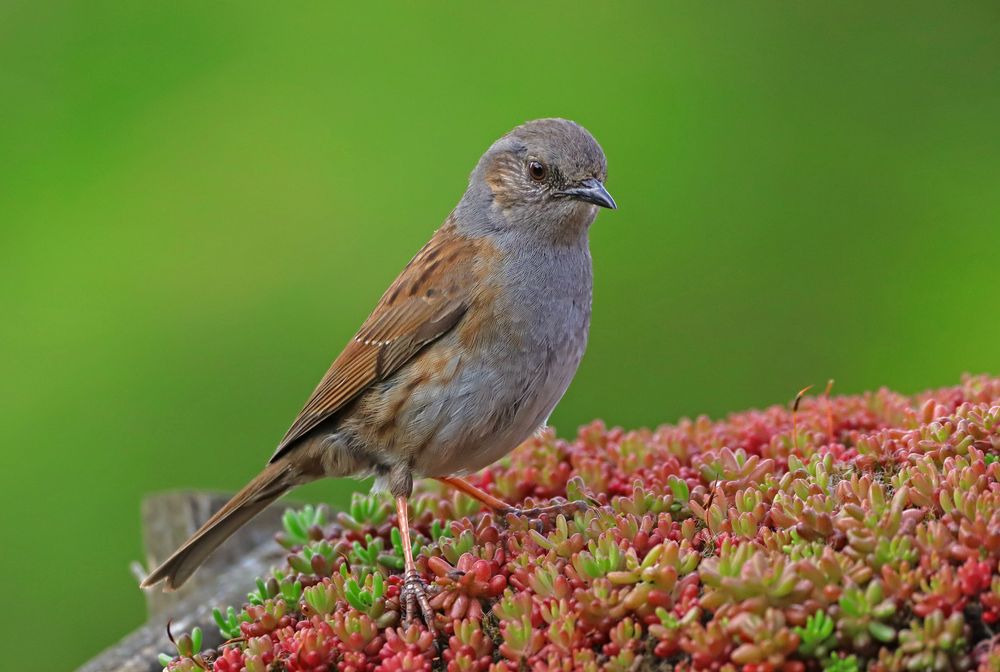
(465, 355)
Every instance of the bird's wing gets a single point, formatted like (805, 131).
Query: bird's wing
(427, 300)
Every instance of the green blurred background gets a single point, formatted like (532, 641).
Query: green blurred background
(200, 201)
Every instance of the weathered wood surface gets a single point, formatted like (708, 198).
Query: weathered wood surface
(225, 579)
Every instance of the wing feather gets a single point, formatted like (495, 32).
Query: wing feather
(421, 305)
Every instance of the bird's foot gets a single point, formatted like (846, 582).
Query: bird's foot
(414, 596)
(566, 509)
(538, 513)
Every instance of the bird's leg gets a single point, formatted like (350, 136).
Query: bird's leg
(414, 592)
(478, 494)
(502, 508)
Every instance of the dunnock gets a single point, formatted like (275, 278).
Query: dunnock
(465, 355)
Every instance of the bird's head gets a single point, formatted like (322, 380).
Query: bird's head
(546, 175)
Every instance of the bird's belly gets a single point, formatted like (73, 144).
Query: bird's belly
(481, 406)
(470, 397)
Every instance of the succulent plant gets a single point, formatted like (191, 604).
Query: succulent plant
(834, 533)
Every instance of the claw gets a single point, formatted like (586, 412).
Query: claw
(569, 508)
(414, 596)
(540, 514)
(503, 510)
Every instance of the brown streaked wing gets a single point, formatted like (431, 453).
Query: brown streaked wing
(428, 298)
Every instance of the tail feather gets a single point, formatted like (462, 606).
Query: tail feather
(269, 485)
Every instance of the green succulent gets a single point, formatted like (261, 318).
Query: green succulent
(817, 637)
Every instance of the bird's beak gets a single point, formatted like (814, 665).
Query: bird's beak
(592, 191)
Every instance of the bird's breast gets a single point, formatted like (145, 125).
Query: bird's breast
(520, 343)
(478, 391)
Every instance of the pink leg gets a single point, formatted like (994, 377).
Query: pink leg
(503, 508)
(414, 593)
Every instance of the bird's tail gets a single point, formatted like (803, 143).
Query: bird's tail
(269, 485)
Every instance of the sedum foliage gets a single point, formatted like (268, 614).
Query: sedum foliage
(847, 533)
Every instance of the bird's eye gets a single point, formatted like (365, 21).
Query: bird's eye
(537, 170)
